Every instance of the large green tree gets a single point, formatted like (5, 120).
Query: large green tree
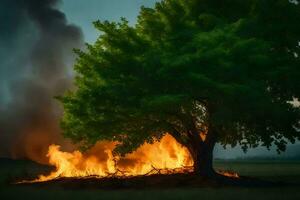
(223, 68)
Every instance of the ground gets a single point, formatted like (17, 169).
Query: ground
(282, 171)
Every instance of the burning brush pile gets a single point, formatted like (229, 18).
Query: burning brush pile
(162, 157)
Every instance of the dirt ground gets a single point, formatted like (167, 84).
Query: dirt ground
(269, 180)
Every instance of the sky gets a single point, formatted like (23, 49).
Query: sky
(84, 12)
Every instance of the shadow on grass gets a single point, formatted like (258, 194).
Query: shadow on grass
(156, 182)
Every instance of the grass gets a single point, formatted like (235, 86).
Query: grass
(267, 170)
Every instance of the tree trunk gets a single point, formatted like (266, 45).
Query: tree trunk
(203, 159)
(201, 151)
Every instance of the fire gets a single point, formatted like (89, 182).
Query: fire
(229, 174)
(164, 156)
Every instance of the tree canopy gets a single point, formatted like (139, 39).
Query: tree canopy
(189, 66)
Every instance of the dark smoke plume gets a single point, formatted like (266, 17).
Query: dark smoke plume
(36, 45)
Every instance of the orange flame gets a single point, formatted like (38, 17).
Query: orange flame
(164, 157)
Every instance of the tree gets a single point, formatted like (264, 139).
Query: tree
(204, 71)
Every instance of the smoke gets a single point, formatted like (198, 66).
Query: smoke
(36, 56)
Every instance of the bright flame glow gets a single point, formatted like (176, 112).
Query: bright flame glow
(164, 157)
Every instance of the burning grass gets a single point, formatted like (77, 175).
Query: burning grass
(162, 157)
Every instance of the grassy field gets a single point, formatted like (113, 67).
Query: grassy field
(267, 170)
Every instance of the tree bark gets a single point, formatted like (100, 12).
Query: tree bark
(201, 152)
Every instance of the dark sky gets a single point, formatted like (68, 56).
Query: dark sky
(36, 58)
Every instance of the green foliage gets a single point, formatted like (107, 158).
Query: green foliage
(190, 64)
